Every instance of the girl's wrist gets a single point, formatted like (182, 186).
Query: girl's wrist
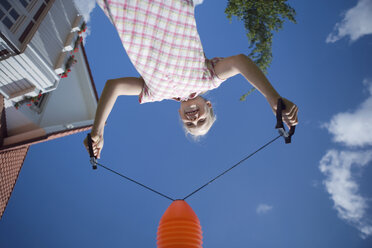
(273, 98)
(96, 132)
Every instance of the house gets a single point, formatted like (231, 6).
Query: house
(46, 86)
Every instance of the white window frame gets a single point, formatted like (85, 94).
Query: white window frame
(26, 1)
(8, 15)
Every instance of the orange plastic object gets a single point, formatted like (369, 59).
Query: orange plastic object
(179, 227)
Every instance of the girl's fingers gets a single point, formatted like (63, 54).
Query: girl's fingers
(293, 116)
(296, 122)
(296, 116)
(96, 152)
(292, 112)
(289, 115)
(293, 122)
(95, 146)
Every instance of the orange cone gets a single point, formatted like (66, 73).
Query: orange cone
(179, 227)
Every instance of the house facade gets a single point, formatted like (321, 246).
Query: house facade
(46, 86)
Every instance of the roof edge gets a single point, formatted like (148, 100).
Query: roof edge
(47, 137)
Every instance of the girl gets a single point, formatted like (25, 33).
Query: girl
(161, 39)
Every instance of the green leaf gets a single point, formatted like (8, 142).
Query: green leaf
(261, 18)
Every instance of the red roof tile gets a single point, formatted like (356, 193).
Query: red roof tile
(11, 161)
(10, 165)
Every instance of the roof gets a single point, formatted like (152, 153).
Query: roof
(11, 161)
(11, 164)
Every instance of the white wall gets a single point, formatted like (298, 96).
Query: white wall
(37, 63)
(51, 35)
(73, 102)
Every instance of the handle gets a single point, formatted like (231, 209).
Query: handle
(279, 123)
(93, 159)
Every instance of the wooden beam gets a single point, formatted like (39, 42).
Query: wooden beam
(76, 24)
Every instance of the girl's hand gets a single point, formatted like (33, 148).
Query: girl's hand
(97, 143)
(290, 112)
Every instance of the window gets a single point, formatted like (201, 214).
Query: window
(5, 4)
(7, 22)
(14, 14)
(8, 15)
(25, 3)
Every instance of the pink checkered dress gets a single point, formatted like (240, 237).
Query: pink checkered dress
(162, 41)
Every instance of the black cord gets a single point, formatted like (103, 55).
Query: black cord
(223, 173)
(117, 173)
(241, 161)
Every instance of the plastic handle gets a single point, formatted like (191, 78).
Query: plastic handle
(93, 159)
(279, 123)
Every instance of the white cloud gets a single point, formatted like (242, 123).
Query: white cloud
(85, 8)
(197, 2)
(356, 23)
(351, 129)
(263, 208)
(343, 188)
(354, 128)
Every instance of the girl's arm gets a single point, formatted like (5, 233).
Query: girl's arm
(234, 65)
(113, 88)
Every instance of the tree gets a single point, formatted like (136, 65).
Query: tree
(261, 18)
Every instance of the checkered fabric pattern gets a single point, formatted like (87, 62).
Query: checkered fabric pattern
(162, 41)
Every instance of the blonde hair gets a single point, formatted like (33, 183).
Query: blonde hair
(199, 131)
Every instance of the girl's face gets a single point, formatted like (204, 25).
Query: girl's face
(194, 112)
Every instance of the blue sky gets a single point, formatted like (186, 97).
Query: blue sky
(315, 192)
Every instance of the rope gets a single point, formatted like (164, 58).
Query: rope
(117, 173)
(235, 165)
(200, 188)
